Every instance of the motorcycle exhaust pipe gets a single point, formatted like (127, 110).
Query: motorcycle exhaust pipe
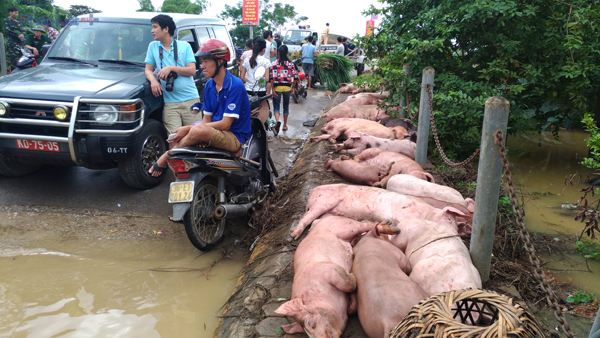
(232, 210)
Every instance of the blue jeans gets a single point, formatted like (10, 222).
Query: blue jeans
(286, 102)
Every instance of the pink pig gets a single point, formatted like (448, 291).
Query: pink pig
(322, 277)
(358, 141)
(355, 172)
(438, 259)
(385, 294)
(343, 127)
(370, 204)
(364, 100)
(402, 164)
(370, 112)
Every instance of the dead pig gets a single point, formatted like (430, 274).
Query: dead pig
(358, 141)
(342, 128)
(398, 121)
(355, 172)
(402, 164)
(322, 277)
(438, 259)
(370, 204)
(370, 112)
(436, 195)
(385, 294)
(368, 99)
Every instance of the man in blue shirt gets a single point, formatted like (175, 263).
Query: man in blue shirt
(308, 53)
(226, 122)
(161, 56)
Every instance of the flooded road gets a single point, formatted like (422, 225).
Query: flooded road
(539, 165)
(84, 279)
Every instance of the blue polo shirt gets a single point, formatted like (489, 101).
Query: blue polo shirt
(308, 51)
(184, 87)
(231, 101)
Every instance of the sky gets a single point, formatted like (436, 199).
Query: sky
(343, 17)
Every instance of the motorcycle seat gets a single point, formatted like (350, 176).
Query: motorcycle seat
(209, 151)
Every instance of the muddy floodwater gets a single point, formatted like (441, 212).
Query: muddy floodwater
(539, 165)
(78, 273)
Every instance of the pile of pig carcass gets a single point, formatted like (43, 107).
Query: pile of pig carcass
(370, 250)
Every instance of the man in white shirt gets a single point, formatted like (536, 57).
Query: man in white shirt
(340, 47)
(271, 50)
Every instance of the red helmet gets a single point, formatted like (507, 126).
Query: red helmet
(215, 49)
(301, 75)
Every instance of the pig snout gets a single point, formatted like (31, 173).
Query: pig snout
(327, 164)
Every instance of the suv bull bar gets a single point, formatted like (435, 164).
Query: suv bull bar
(71, 124)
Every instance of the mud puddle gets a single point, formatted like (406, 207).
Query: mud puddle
(88, 273)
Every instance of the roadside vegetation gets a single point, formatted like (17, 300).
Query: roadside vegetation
(543, 56)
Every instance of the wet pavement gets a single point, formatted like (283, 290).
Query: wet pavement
(82, 254)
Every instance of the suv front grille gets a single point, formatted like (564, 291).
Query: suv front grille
(32, 112)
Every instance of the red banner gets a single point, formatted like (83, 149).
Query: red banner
(370, 25)
(250, 13)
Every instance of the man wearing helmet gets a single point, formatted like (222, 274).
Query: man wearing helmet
(226, 121)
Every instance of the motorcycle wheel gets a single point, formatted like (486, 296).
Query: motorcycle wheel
(304, 93)
(295, 96)
(204, 230)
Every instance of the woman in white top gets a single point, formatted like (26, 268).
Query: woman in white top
(249, 68)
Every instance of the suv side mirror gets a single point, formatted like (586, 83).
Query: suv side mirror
(44, 50)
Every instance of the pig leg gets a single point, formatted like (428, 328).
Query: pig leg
(342, 280)
(315, 209)
(339, 147)
(367, 155)
(337, 133)
(384, 176)
(354, 151)
(470, 205)
(320, 138)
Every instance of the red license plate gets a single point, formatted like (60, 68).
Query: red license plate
(38, 145)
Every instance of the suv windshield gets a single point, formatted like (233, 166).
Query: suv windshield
(295, 37)
(103, 41)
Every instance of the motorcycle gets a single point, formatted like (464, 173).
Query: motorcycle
(27, 60)
(212, 185)
(301, 88)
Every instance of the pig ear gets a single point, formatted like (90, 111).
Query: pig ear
(343, 84)
(293, 328)
(470, 204)
(429, 177)
(456, 211)
(292, 308)
(355, 135)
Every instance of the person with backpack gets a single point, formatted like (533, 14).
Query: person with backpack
(284, 76)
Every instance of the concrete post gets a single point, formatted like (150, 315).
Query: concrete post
(403, 104)
(488, 184)
(2, 55)
(423, 128)
(251, 32)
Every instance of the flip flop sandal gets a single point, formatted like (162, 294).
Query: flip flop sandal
(284, 128)
(277, 126)
(171, 219)
(158, 169)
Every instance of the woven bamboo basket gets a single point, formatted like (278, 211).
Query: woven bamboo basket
(467, 313)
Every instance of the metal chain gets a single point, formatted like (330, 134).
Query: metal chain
(524, 234)
(410, 115)
(437, 140)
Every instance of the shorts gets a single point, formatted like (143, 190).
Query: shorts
(308, 69)
(178, 114)
(224, 139)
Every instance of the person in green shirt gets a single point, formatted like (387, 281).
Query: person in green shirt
(14, 34)
(35, 42)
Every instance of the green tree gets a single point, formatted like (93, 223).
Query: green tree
(543, 56)
(273, 16)
(146, 6)
(184, 6)
(76, 10)
(43, 4)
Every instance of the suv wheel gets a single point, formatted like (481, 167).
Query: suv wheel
(152, 144)
(12, 168)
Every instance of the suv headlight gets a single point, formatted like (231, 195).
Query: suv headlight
(4, 109)
(105, 113)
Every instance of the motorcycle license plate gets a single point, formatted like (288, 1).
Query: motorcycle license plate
(181, 192)
(38, 145)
